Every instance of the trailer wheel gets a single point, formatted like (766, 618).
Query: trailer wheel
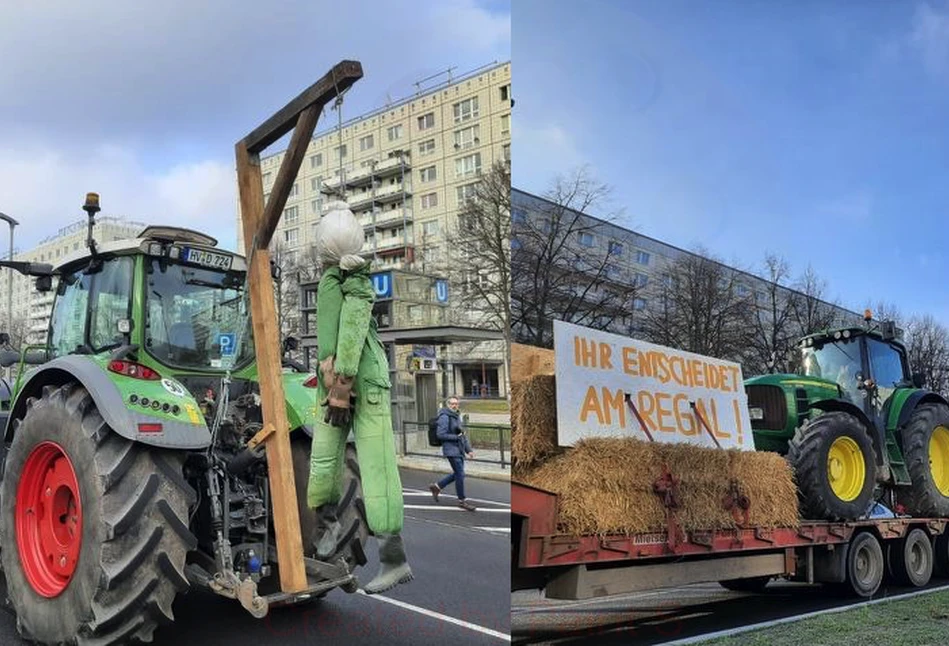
(941, 556)
(865, 565)
(926, 451)
(751, 584)
(911, 559)
(94, 527)
(834, 466)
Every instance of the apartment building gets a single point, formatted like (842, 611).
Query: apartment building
(34, 308)
(406, 169)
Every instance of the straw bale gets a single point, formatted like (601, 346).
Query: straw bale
(527, 360)
(533, 420)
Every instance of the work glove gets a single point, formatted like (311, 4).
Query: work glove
(339, 402)
(328, 372)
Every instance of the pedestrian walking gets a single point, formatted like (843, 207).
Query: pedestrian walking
(455, 446)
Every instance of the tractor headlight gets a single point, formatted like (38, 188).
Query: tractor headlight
(154, 249)
(756, 413)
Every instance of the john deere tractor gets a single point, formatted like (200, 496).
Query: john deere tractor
(856, 426)
(127, 477)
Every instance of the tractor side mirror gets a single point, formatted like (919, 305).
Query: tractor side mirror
(919, 380)
(4, 338)
(44, 284)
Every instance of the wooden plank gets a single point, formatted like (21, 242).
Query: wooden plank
(341, 77)
(261, 436)
(287, 174)
(273, 404)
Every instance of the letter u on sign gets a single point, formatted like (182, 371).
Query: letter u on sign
(441, 291)
(382, 284)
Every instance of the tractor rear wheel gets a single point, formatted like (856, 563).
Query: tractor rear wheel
(911, 559)
(94, 527)
(350, 511)
(834, 466)
(926, 452)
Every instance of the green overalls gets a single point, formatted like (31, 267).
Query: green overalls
(346, 330)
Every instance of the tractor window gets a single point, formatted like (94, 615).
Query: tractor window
(838, 361)
(68, 321)
(111, 296)
(886, 367)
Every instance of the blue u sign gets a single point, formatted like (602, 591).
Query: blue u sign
(441, 291)
(382, 284)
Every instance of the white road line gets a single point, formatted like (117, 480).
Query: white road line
(415, 492)
(503, 530)
(438, 615)
(454, 508)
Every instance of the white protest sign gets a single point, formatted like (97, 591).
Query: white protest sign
(600, 374)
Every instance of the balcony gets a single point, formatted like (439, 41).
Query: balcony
(393, 193)
(386, 219)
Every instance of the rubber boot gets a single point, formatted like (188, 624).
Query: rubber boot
(393, 567)
(326, 546)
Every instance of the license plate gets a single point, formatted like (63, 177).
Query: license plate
(206, 258)
(756, 413)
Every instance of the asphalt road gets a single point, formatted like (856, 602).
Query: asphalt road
(662, 616)
(460, 595)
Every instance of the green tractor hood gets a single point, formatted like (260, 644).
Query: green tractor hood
(778, 404)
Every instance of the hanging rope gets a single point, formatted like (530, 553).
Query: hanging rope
(338, 106)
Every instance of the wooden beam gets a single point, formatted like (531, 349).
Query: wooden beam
(287, 174)
(339, 79)
(286, 517)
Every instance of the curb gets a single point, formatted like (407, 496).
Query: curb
(445, 469)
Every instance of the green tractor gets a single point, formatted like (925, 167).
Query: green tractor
(856, 426)
(126, 473)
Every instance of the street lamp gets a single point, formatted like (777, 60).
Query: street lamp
(6, 218)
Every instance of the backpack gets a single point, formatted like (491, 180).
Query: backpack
(433, 432)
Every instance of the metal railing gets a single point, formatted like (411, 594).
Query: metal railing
(492, 440)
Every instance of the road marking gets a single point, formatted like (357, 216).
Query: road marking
(503, 530)
(454, 508)
(438, 615)
(415, 492)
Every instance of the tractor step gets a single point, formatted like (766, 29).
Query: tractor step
(895, 459)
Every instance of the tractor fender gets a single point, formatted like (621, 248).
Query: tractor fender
(110, 403)
(828, 405)
(915, 399)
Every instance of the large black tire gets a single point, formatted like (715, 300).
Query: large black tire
(351, 510)
(135, 534)
(911, 559)
(865, 565)
(923, 497)
(750, 584)
(808, 454)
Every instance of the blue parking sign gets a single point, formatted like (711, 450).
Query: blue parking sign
(228, 343)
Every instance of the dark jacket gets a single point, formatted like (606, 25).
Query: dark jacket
(450, 432)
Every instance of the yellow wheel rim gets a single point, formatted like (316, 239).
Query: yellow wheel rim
(846, 469)
(939, 459)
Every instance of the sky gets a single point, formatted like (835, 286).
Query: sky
(143, 102)
(814, 130)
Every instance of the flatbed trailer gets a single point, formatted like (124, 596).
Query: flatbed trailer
(854, 555)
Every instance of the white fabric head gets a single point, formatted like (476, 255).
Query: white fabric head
(340, 237)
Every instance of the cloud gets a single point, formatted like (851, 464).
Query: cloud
(44, 189)
(541, 153)
(856, 207)
(930, 38)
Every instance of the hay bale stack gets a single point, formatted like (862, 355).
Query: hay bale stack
(533, 420)
(526, 361)
(606, 486)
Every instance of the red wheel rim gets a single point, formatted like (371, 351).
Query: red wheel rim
(48, 519)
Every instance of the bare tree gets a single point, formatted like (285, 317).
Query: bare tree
(699, 306)
(565, 266)
(478, 257)
(927, 345)
(287, 287)
(812, 312)
(773, 330)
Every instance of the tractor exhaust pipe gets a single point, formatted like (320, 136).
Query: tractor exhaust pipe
(91, 207)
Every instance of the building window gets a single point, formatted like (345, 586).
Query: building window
(427, 174)
(427, 147)
(468, 165)
(465, 193)
(742, 289)
(505, 125)
(291, 215)
(339, 151)
(586, 238)
(366, 143)
(642, 257)
(430, 228)
(265, 179)
(639, 304)
(505, 92)
(667, 280)
(545, 225)
(467, 109)
(316, 184)
(316, 160)
(519, 215)
(316, 205)
(291, 236)
(468, 137)
(426, 121)
(641, 280)
(395, 132)
(294, 190)
(613, 271)
(616, 248)
(429, 200)
(506, 152)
